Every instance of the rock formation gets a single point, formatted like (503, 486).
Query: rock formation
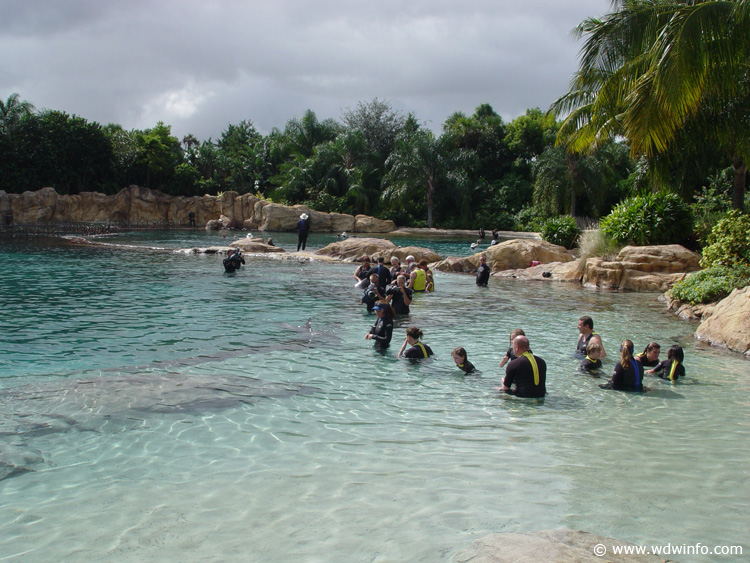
(727, 324)
(511, 254)
(142, 206)
(355, 248)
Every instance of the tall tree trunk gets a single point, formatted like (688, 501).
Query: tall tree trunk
(738, 194)
(430, 194)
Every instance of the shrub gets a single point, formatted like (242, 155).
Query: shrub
(710, 205)
(528, 219)
(561, 230)
(660, 218)
(729, 242)
(594, 243)
(711, 284)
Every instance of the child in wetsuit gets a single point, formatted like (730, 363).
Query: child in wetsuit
(672, 367)
(509, 355)
(592, 363)
(459, 357)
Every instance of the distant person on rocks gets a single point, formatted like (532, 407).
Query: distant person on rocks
(510, 355)
(382, 331)
(399, 296)
(481, 233)
(586, 328)
(495, 234)
(526, 375)
(191, 218)
(483, 272)
(459, 358)
(303, 229)
(417, 350)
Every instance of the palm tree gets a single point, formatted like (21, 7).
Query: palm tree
(12, 111)
(651, 66)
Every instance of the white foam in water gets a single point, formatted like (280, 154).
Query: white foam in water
(218, 427)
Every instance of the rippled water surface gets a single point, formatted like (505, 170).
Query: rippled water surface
(155, 408)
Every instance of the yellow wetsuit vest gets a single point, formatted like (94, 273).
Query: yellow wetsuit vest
(419, 280)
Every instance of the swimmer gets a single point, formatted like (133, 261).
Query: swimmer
(592, 363)
(672, 367)
(586, 328)
(628, 375)
(417, 350)
(510, 355)
(649, 358)
(526, 376)
(459, 358)
(382, 331)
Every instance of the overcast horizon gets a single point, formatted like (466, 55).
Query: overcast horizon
(199, 66)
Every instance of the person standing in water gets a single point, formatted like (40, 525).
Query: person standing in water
(417, 350)
(382, 331)
(303, 229)
(528, 373)
(586, 328)
(483, 272)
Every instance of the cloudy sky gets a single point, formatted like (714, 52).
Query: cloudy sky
(199, 65)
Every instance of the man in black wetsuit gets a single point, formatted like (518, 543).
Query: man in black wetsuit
(384, 275)
(527, 372)
(483, 273)
(586, 328)
(399, 296)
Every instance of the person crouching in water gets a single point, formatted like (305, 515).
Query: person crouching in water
(417, 350)
(461, 361)
(372, 293)
(592, 364)
(382, 331)
(527, 372)
(672, 367)
(628, 375)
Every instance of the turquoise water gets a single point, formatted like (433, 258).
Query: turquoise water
(168, 411)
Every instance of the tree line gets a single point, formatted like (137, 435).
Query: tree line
(634, 122)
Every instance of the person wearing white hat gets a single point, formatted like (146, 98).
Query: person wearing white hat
(303, 228)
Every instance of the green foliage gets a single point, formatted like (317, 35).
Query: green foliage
(711, 204)
(528, 219)
(729, 242)
(661, 218)
(711, 284)
(561, 230)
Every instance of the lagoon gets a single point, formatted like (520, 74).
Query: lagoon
(315, 447)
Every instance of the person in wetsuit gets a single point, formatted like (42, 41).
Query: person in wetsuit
(233, 261)
(483, 272)
(418, 278)
(649, 358)
(417, 350)
(510, 355)
(586, 328)
(672, 367)
(399, 296)
(384, 275)
(382, 331)
(628, 375)
(461, 361)
(527, 372)
(592, 363)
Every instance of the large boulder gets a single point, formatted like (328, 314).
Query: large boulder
(554, 271)
(728, 323)
(560, 546)
(367, 224)
(355, 248)
(511, 254)
(642, 268)
(419, 253)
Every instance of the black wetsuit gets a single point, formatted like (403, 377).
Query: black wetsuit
(520, 372)
(466, 367)
(418, 351)
(303, 228)
(590, 365)
(664, 369)
(583, 343)
(233, 262)
(645, 362)
(483, 275)
(626, 379)
(397, 302)
(382, 331)
(384, 276)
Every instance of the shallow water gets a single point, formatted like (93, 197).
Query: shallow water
(307, 444)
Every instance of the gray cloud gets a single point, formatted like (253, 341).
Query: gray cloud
(199, 65)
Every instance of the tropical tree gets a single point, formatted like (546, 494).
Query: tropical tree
(652, 67)
(12, 111)
(379, 124)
